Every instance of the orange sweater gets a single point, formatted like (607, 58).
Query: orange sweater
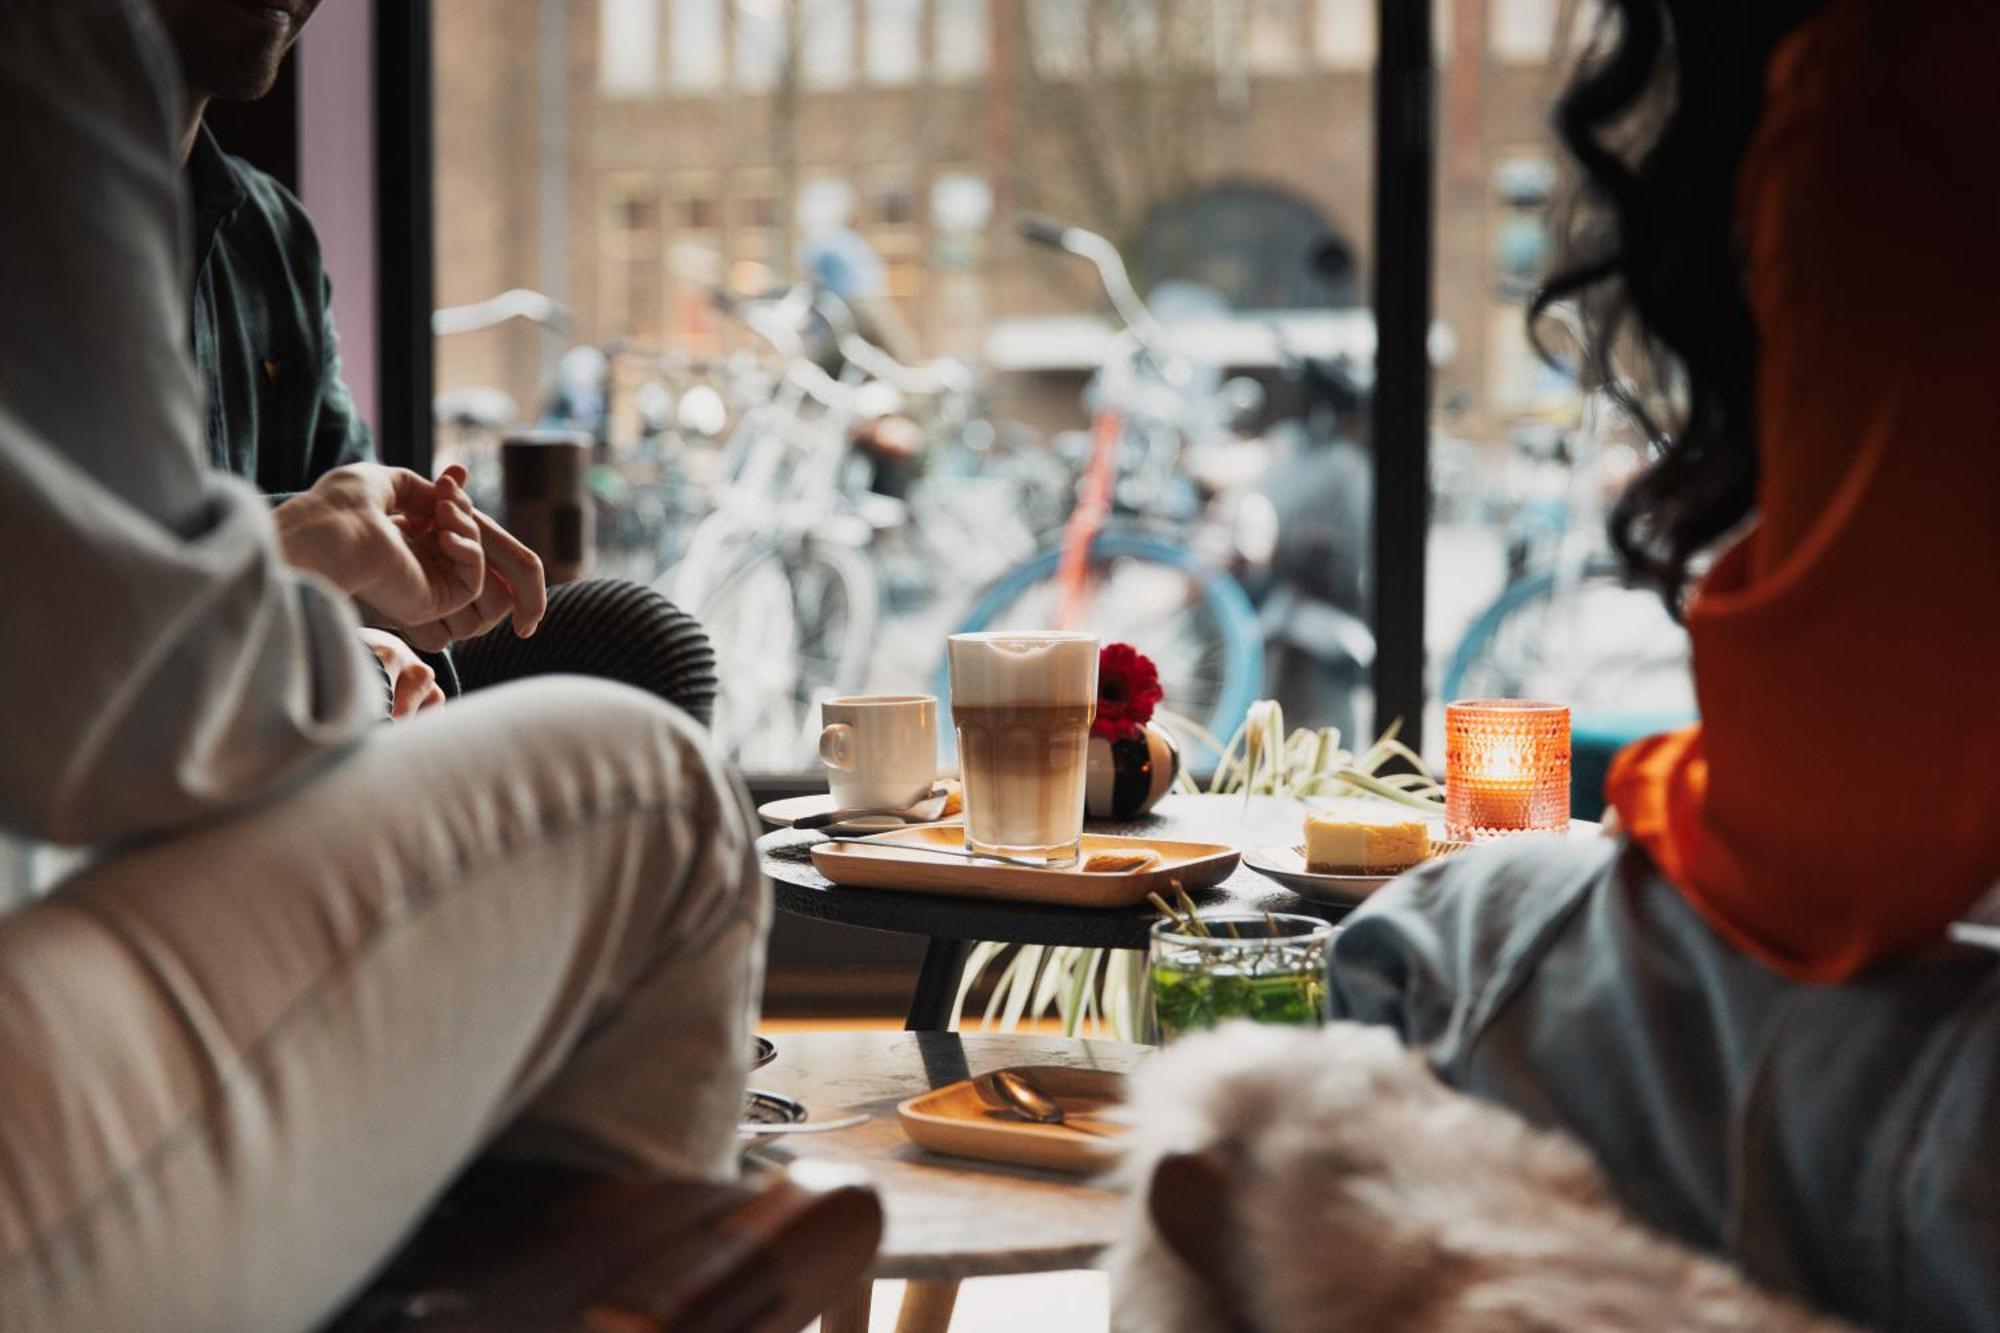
(1840, 801)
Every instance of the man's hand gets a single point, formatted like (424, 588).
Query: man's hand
(414, 554)
(415, 684)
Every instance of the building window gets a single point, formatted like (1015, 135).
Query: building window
(959, 36)
(760, 45)
(694, 263)
(895, 40)
(1344, 33)
(694, 44)
(699, 212)
(1128, 37)
(759, 210)
(826, 42)
(754, 262)
(630, 276)
(894, 205)
(1059, 39)
(628, 59)
(1277, 35)
(1522, 32)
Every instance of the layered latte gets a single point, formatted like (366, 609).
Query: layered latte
(1022, 703)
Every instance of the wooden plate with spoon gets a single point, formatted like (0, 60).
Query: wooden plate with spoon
(963, 1120)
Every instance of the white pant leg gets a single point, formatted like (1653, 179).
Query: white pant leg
(237, 1066)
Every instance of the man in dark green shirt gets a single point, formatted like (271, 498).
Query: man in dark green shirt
(278, 412)
(261, 329)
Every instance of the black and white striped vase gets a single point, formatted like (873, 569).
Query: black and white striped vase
(1126, 778)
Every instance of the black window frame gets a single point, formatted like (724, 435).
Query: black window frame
(1401, 303)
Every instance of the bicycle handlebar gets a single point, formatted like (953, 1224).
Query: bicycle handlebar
(938, 377)
(514, 303)
(1110, 265)
(1043, 231)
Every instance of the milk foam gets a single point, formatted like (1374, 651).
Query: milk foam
(1024, 667)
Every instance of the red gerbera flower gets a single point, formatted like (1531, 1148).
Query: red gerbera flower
(1128, 689)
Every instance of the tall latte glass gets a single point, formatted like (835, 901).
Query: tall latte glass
(1022, 702)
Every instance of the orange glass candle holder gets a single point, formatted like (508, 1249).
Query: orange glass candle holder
(1506, 767)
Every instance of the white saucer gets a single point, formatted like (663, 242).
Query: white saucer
(1287, 865)
(783, 814)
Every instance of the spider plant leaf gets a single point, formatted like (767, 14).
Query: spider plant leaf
(1051, 983)
(976, 963)
(1084, 971)
(1022, 988)
(1376, 787)
(999, 995)
(1224, 766)
(1398, 750)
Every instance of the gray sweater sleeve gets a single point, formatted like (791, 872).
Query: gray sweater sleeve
(158, 660)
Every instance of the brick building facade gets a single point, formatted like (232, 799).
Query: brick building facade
(622, 155)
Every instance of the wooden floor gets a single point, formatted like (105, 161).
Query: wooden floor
(1043, 1302)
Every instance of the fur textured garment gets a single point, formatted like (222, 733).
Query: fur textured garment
(1367, 1197)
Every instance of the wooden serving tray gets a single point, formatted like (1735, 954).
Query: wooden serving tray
(954, 1120)
(894, 860)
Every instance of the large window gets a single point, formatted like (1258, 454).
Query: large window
(724, 189)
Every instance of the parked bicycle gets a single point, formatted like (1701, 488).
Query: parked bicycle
(793, 569)
(1570, 624)
(1124, 566)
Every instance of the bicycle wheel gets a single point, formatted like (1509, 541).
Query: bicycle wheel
(790, 627)
(1594, 641)
(1192, 620)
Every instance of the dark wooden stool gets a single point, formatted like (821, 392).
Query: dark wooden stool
(515, 1249)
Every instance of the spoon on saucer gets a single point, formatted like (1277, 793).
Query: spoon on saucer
(923, 812)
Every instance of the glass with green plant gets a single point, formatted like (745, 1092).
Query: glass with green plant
(1205, 970)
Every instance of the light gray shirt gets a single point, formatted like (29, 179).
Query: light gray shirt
(1839, 1142)
(159, 663)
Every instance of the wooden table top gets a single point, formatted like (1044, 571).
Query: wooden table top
(948, 1218)
(1263, 821)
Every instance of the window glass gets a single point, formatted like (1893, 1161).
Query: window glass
(1059, 36)
(1276, 35)
(699, 251)
(694, 43)
(1523, 597)
(628, 62)
(895, 40)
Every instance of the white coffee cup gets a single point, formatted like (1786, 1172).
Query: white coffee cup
(880, 750)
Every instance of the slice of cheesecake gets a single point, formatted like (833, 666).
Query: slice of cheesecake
(1339, 846)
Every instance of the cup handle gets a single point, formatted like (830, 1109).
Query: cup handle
(836, 746)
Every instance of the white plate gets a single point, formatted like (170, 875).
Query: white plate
(783, 814)
(1287, 865)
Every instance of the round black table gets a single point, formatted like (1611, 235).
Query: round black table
(952, 925)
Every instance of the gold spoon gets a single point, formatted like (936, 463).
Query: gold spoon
(1010, 1090)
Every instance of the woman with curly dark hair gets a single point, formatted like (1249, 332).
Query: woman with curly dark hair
(1757, 1005)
